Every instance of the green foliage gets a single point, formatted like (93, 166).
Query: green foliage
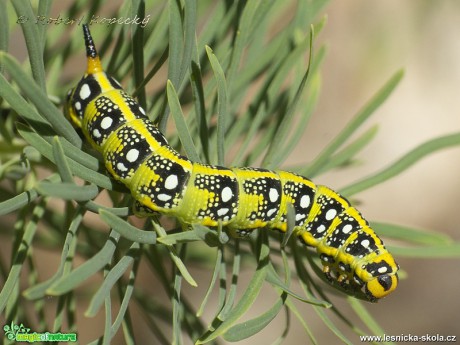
(210, 74)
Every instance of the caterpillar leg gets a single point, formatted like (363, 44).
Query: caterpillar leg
(240, 233)
(327, 273)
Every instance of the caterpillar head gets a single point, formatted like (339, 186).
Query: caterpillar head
(384, 277)
(94, 82)
(381, 286)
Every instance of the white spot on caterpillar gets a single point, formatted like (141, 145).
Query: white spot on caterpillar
(222, 211)
(78, 105)
(132, 155)
(85, 91)
(171, 182)
(106, 122)
(321, 228)
(226, 194)
(347, 228)
(163, 197)
(142, 110)
(96, 133)
(271, 211)
(331, 214)
(273, 194)
(382, 269)
(121, 167)
(365, 243)
(305, 201)
(299, 217)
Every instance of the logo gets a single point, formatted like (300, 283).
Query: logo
(21, 333)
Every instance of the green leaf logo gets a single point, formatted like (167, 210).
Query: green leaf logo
(13, 329)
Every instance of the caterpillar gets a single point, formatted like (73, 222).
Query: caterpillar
(161, 180)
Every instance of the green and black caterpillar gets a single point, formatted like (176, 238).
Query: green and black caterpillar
(161, 180)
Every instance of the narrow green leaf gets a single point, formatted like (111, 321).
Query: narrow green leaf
(189, 37)
(4, 30)
(304, 278)
(348, 152)
(20, 200)
(123, 317)
(127, 230)
(266, 102)
(253, 326)
(158, 40)
(403, 163)
(261, 59)
(411, 234)
(301, 319)
(153, 71)
(222, 104)
(290, 220)
(175, 258)
(79, 156)
(44, 9)
(39, 98)
(87, 269)
(222, 292)
(215, 275)
(77, 169)
(200, 107)
(231, 295)
(19, 104)
(39, 290)
(254, 127)
(181, 125)
(275, 151)
(176, 42)
(180, 237)
(273, 279)
(217, 24)
(365, 316)
(210, 236)
(25, 244)
(307, 105)
(429, 251)
(117, 211)
(67, 191)
(177, 307)
(355, 123)
(155, 257)
(61, 162)
(138, 9)
(244, 32)
(246, 300)
(106, 339)
(33, 41)
(110, 279)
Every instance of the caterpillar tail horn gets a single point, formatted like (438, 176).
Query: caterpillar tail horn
(94, 63)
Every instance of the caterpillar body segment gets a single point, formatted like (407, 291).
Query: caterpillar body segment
(161, 180)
